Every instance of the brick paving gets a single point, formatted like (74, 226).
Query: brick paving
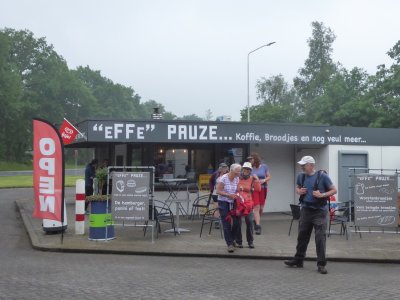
(29, 274)
(273, 243)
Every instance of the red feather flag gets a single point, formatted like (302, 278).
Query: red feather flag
(48, 171)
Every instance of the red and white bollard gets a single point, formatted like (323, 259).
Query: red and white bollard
(80, 207)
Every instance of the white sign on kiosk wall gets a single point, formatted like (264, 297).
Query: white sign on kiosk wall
(130, 196)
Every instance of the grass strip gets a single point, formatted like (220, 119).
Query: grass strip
(27, 181)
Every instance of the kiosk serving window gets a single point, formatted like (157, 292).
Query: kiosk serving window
(171, 161)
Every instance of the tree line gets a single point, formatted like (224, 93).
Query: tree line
(35, 81)
(324, 92)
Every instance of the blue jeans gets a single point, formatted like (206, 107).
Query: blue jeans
(224, 208)
(312, 219)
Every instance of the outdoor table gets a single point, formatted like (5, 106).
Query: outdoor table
(178, 202)
(170, 184)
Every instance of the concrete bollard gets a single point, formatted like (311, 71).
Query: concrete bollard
(80, 207)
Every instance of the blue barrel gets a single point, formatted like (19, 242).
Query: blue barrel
(101, 226)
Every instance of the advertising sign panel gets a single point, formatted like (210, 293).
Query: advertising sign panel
(130, 196)
(375, 200)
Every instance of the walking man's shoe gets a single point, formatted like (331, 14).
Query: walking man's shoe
(231, 249)
(237, 245)
(251, 245)
(258, 229)
(322, 270)
(294, 263)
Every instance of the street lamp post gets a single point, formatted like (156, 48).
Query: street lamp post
(248, 77)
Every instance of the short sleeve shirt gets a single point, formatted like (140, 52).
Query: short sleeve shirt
(309, 181)
(261, 172)
(229, 187)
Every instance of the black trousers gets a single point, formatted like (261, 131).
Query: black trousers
(88, 192)
(237, 229)
(312, 219)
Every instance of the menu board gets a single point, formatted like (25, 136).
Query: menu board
(130, 196)
(375, 200)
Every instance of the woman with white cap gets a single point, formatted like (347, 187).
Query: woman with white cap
(248, 184)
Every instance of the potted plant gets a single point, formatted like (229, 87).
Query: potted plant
(101, 176)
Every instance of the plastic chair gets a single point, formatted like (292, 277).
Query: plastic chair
(200, 205)
(342, 219)
(191, 189)
(210, 218)
(295, 209)
(162, 214)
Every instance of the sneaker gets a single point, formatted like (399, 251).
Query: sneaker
(322, 270)
(237, 245)
(294, 263)
(251, 246)
(258, 229)
(231, 249)
(216, 225)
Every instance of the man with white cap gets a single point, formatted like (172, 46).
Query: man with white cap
(314, 189)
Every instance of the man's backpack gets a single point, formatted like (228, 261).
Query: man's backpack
(322, 201)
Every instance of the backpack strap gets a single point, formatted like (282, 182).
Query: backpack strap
(316, 183)
(303, 178)
(323, 201)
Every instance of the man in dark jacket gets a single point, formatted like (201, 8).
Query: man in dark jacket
(90, 174)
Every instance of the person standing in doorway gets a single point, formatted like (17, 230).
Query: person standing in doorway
(314, 188)
(226, 190)
(261, 170)
(90, 174)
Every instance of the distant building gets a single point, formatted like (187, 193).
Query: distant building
(224, 118)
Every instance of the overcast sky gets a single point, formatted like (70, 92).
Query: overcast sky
(192, 55)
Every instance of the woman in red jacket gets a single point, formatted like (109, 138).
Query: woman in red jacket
(247, 185)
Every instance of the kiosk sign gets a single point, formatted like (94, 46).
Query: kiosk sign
(130, 196)
(375, 200)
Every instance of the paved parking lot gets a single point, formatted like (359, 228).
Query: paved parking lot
(29, 274)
